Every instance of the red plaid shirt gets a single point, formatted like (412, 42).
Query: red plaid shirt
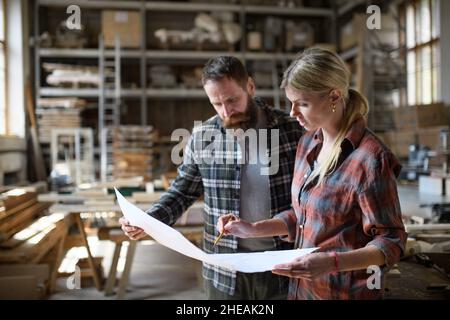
(357, 205)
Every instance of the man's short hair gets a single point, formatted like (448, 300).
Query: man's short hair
(225, 67)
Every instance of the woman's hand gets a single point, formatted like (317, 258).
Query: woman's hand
(307, 267)
(230, 224)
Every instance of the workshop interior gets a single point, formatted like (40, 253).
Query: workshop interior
(93, 94)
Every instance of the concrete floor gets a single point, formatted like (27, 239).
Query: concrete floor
(157, 273)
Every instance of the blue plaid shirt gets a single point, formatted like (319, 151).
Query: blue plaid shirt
(220, 184)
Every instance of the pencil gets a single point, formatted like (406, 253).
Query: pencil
(218, 238)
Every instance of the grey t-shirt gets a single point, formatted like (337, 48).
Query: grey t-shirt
(255, 190)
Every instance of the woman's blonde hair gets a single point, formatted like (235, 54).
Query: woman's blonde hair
(321, 71)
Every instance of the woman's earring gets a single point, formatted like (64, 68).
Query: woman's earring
(333, 107)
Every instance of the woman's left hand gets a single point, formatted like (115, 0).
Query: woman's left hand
(307, 267)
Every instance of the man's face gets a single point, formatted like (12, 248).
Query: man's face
(232, 103)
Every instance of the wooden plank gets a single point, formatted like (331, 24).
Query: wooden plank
(126, 271)
(39, 271)
(96, 277)
(436, 228)
(5, 236)
(49, 242)
(34, 249)
(23, 216)
(77, 197)
(94, 194)
(111, 281)
(7, 213)
(58, 259)
(38, 160)
(146, 197)
(19, 287)
(15, 197)
(30, 231)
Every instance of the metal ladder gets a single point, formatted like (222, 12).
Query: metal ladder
(109, 104)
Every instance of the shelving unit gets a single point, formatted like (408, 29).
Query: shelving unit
(363, 56)
(149, 55)
(150, 100)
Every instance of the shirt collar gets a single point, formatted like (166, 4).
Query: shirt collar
(353, 136)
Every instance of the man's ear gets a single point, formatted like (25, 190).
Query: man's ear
(251, 87)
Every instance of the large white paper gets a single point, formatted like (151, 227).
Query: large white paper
(171, 238)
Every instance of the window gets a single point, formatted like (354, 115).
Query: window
(422, 42)
(3, 127)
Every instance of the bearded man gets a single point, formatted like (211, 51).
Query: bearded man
(236, 180)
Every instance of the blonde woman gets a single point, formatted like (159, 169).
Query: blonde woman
(344, 192)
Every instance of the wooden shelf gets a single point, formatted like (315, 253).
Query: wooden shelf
(192, 7)
(161, 54)
(172, 93)
(98, 4)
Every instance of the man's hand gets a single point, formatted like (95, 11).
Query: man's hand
(230, 224)
(307, 267)
(134, 233)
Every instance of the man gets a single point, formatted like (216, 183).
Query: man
(236, 181)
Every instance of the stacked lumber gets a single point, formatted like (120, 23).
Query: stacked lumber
(30, 242)
(18, 208)
(26, 235)
(132, 152)
(56, 118)
(67, 103)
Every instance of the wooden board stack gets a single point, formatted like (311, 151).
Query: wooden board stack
(28, 236)
(132, 152)
(18, 208)
(56, 118)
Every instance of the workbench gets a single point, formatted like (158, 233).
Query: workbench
(417, 282)
(190, 225)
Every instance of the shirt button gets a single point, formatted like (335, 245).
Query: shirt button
(305, 176)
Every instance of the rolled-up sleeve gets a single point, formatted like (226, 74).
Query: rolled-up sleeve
(290, 219)
(381, 214)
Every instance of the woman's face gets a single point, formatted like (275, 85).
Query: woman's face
(312, 110)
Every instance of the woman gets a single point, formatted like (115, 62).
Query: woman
(344, 192)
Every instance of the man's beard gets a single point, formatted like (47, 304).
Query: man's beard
(243, 120)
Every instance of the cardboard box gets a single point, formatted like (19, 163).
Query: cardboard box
(425, 116)
(125, 24)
